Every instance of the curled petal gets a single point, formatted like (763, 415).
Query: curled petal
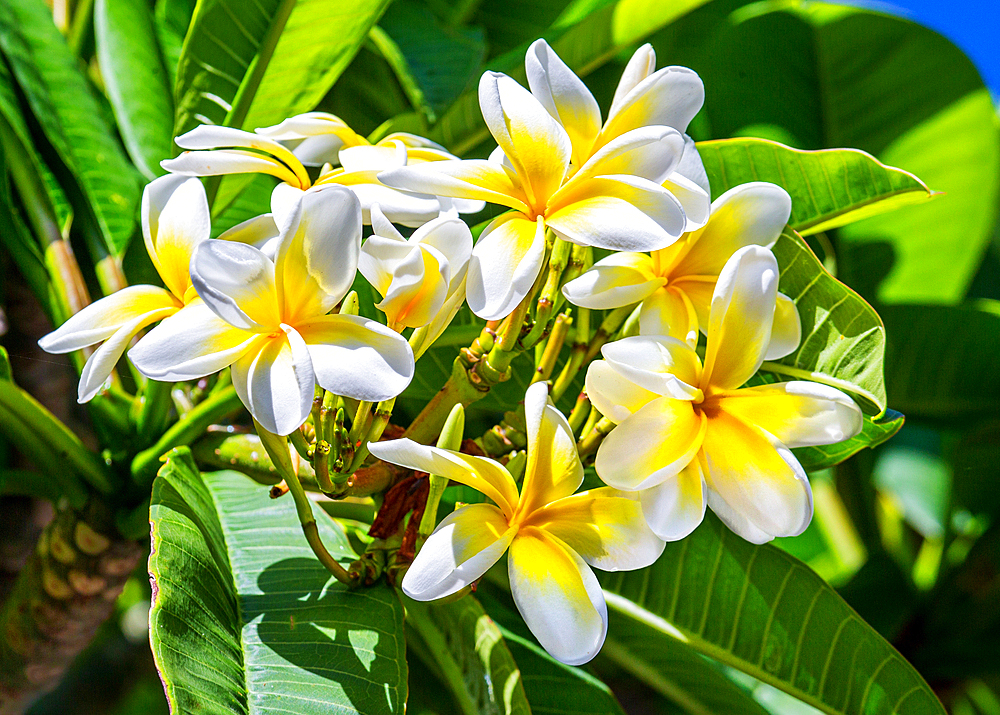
(675, 507)
(103, 318)
(217, 162)
(604, 526)
(651, 153)
(357, 357)
(639, 67)
(99, 365)
(535, 143)
(739, 324)
(615, 396)
(475, 179)
(669, 97)
(190, 344)
(652, 445)
(504, 265)
(696, 201)
(668, 311)
(619, 213)
(558, 596)
(662, 365)
(451, 237)
(797, 414)
(747, 215)
(480, 473)
(756, 476)
(462, 548)
(554, 469)
(175, 219)
(208, 136)
(418, 289)
(237, 282)
(310, 124)
(275, 381)
(564, 96)
(618, 280)
(786, 330)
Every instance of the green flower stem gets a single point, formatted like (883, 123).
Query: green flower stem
(609, 326)
(579, 412)
(551, 295)
(463, 387)
(327, 413)
(277, 450)
(246, 454)
(56, 438)
(552, 347)
(360, 423)
(183, 432)
(154, 409)
(576, 355)
(298, 441)
(321, 464)
(451, 438)
(593, 438)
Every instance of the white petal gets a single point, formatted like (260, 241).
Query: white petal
(504, 265)
(382, 226)
(615, 396)
(462, 548)
(554, 469)
(737, 522)
(237, 282)
(670, 96)
(276, 382)
(675, 507)
(696, 201)
(639, 67)
(357, 357)
(373, 158)
(403, 207)
(451, 236)
(259, 232)
(618, 280)
(318, 150)
(190, 344)
(651, 153)
(218, 162)
(474, 179)
(381, 257)
(660, 364)
(558, 596)
(786, 330)
(175, 219)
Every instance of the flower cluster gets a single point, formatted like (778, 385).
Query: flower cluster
(685, 431)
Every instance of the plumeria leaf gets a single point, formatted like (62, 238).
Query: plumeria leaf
(759, 610)
(829, 188)
(245, 619)
(941, 361)
(172, 20)
(72, 119)
(136, 80)
(843, 339)
(466, 649)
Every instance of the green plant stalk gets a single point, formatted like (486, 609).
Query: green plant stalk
(592, 438)
(609, 326)
(551, 295)
(327, 418)
(154, 409)
(277, 450)
(579, 412)
(64, 445)
(183, 432)
(576, 355)
(552, 347)
(298, 441)
(246, 454)
(450, 438)
(321, 464)
(459, 389)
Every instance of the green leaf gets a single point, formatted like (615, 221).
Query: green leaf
(760, 611)
(244, 619)
(71, 118)
(252, 198)
(874, 432)
(584, 46)
(172, 20)
(941, 360)
(829, 188)
(466, 649)
(552, 687)
(843, 340)
(136, 80)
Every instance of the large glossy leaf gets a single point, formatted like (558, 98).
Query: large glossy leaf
(71, 117)
(245, 620)
(136, 80)
(848, 77)
(584, 46)
(941, 361)
(829, 187)
(843, 340)
(172, 20)
(759, 610)
(467, 651)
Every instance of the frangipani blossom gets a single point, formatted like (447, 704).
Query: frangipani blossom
(613, 201)
(669, 97)
(269, 318)
(175, 219)
(676, 283)
(689, 435)
(218, 150)
(417, 276)
(553, 535)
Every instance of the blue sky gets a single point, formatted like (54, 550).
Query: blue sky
(973, 25)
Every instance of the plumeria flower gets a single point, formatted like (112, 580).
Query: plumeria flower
(417, 276)
(671, 97)
(224, 150)
(613, 201)
(269, 319)
(675, 284)
(553, 535)
(175, 219)
(688, 433)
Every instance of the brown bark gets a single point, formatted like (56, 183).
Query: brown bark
(65, 592)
